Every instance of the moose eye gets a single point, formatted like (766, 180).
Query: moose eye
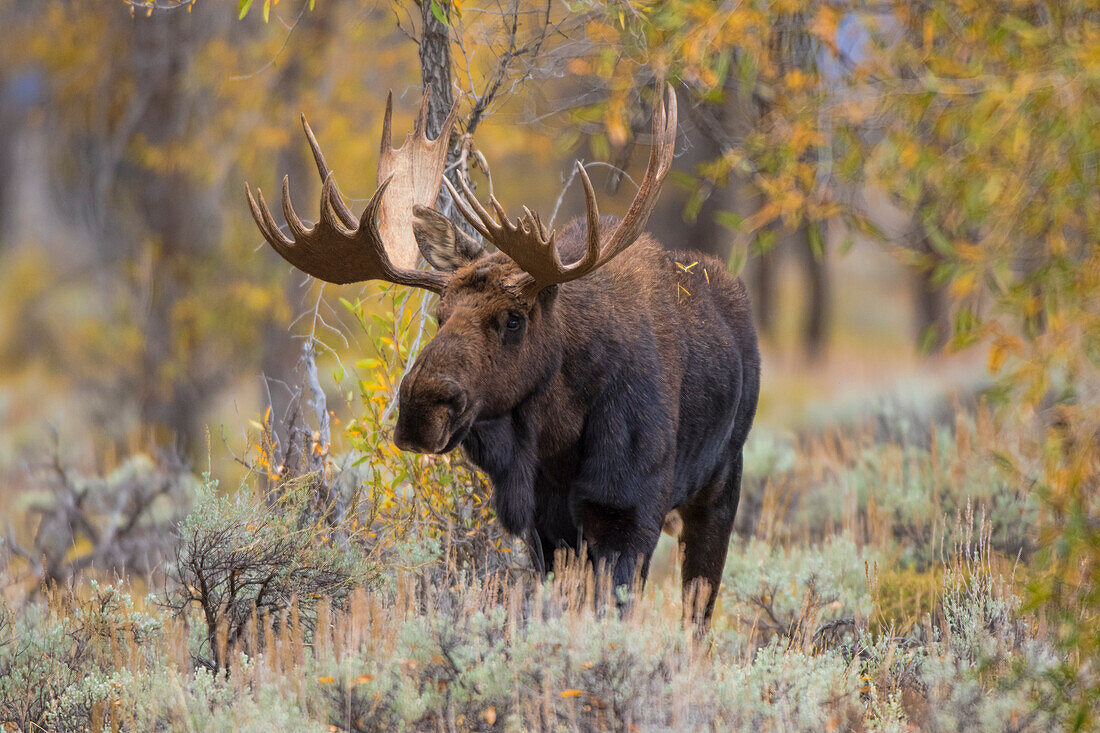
(513, 327)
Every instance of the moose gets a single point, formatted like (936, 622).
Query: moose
(599, 380)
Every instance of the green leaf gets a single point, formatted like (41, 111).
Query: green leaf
(846, 244)
(601, 148)
(935, 236)
(437, 11)
(817, 240)
(243, 7)
(729, 219)
(739, 257)
(693, 206)
(763, 241)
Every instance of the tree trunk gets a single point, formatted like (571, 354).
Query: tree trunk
(435, 75)
(281, 354)
(178, 224)
(435, 64)
(933, 325)
(764, 283)
(817, 313)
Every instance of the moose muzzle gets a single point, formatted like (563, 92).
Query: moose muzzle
(434, 414)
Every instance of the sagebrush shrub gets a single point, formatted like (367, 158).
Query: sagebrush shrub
(239, 558)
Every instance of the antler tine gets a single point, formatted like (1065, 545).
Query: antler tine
(330, 192)
(540, 228)
(342, 209)
(265, 222)
(367, 223)
(448, 125)
(483, 220)
(660, 161)
(502, 215)
(592, 217)
(387, 135)
(370, 214)
(297, 228)
(422, 113)
(463, 207)
(533, 223)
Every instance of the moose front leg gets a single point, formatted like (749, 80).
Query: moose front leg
(617, 498)
(618, 539)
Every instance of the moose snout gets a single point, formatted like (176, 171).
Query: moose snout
(406, 441)
(431, 421)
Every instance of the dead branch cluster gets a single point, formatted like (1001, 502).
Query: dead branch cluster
(122, 523)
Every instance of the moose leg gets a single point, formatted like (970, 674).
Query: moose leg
(618, 539)
(708, 523)
(616, 496)
(621, 528)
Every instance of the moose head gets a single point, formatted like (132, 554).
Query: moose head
(498, 335)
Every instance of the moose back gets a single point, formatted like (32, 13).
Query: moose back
(599, 380)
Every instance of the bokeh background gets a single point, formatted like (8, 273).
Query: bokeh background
(139, 307)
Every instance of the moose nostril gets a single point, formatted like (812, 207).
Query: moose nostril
(453, 397)
(458, 403)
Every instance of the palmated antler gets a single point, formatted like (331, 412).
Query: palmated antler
(414, 170)
(342, 248)
(532, 247)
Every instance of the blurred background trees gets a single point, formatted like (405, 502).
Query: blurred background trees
(130, 277)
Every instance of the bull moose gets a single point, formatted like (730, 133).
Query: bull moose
(599, 380)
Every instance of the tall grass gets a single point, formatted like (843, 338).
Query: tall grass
(874, 585)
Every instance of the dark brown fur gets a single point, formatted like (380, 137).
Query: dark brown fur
(619, 397)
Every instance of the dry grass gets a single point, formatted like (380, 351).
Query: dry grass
(872, 586)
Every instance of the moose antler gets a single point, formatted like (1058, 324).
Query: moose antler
(532, 247)
(342, 248)
(415, 170)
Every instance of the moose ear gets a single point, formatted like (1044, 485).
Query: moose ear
(443, 245)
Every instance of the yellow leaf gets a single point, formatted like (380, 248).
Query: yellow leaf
(825, 23)
(909, 155)
(570, 693)
(963, 285)
(362, 679)
(997, 356)
(796, 79)
(79, 548)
